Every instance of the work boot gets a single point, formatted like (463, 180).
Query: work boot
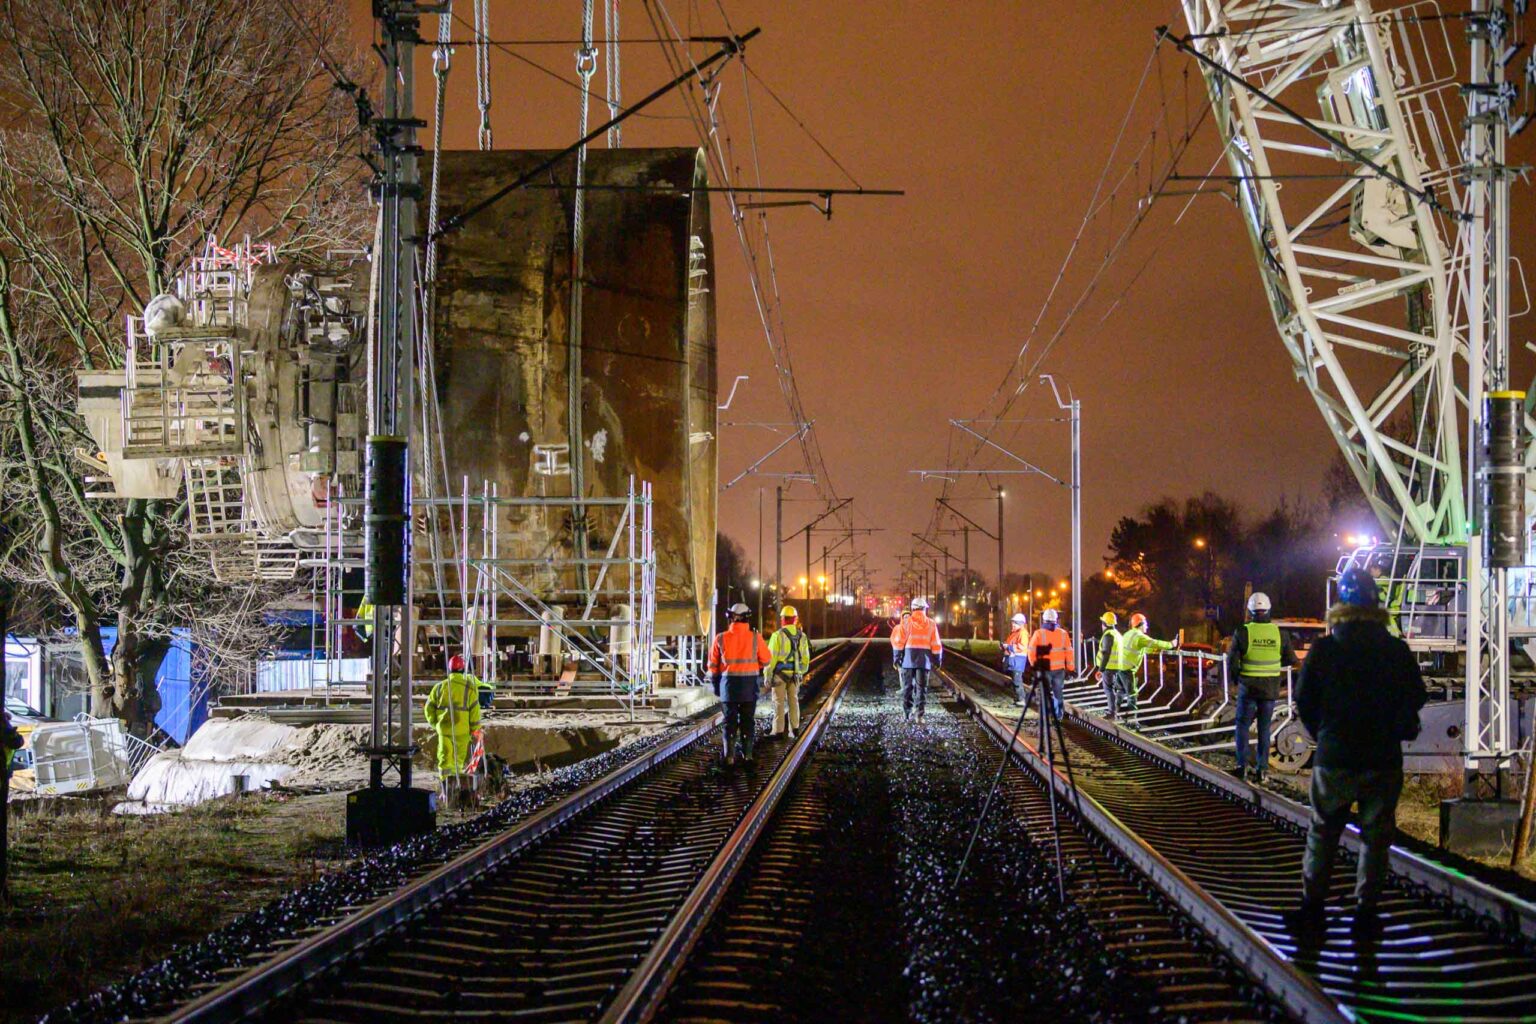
(1309, 919)
(1367, 920)
(1258, 776)
(1238, 773)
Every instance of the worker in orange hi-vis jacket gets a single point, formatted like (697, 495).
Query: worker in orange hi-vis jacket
(1050, 652)
(736, 663)
(918, 652)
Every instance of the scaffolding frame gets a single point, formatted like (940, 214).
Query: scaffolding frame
(597, 611)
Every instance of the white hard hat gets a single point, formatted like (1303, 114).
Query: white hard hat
(1019, 619)
(919, 604)
(740, 609)
(1258, 602)
(1049, 615)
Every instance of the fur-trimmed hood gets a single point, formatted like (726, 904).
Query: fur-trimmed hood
(1341, 614)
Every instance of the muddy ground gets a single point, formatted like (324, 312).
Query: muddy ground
(95, 896)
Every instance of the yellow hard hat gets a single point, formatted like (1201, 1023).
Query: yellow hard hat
(1108, 618)
(788, 612)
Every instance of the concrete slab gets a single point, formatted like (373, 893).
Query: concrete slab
(1479, 828)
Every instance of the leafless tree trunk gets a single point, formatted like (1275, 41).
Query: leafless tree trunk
(135, 130)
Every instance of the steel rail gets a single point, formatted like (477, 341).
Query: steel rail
(642, 996)
(1511, 913)
(1294, 990)
(256, 989)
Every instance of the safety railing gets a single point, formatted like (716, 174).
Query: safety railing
(1181, 717)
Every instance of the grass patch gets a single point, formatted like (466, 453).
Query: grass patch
(97, 897)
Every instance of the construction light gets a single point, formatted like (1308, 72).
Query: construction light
(756, 583)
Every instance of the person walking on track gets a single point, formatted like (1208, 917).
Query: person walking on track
(1015, 658)
(791, 650)
(1359, 698)
(1050, 651)
(920, 652)
(736, 663)
(1257, 659)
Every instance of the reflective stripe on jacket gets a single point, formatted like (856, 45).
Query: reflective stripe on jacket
(1060, 641)
(1261, 654)
(739, 651)
(791, 650)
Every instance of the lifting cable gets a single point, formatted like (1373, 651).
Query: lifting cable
(442, 56)
(612, 79)
(482, 35)
(586, 66)
(431, 413)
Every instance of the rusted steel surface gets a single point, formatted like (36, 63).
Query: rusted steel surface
(503, 299)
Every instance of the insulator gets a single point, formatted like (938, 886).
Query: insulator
(384, 517)
(1503, 479)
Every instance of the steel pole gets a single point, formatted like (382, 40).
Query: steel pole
(778, 548)
(1001, 626)
(1077, 520)
(762, 584)
(391, 371)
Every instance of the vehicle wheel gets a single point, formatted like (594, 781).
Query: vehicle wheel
(1291, 749)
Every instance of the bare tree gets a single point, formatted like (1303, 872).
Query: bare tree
(135, 130)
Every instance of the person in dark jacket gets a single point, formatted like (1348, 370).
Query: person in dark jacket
(1256, 661)
(1359, 698)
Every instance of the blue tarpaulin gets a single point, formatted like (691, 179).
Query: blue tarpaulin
(183, 699)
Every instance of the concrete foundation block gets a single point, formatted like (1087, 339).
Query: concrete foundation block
(1479, 828)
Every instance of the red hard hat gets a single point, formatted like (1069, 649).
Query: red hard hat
(1138, 621)
(457, 663)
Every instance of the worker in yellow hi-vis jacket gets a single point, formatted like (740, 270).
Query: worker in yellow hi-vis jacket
(453, 711)
(791, 650)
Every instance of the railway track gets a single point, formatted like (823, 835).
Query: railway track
(543, 922)
(827, 922)
(816, 884)
(1446, 951)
